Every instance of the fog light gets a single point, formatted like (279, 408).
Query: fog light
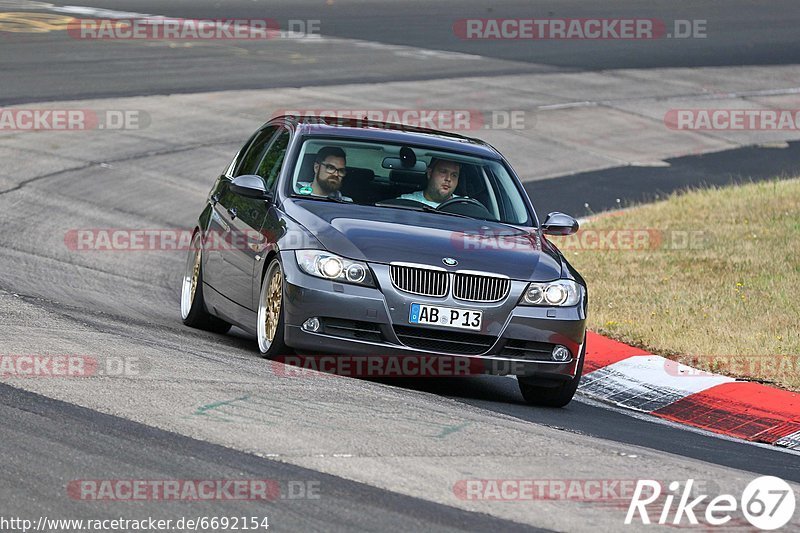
(312, 324)
(561, 354)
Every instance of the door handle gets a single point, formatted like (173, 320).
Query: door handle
(232, 212)
(215, 199)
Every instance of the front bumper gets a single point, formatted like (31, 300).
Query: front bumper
(376, 324)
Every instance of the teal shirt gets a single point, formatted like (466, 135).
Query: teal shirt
(419, 196)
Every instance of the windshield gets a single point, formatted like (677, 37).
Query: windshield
(395, 176)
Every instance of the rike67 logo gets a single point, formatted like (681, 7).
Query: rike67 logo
(767, 503)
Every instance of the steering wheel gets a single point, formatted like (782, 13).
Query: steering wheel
(464, 200)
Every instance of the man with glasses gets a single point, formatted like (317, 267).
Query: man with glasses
(329, 173)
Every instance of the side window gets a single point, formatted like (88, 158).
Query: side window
(512, 206)
(255, 152)
(270, 166)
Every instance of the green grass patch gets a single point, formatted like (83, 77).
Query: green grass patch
(716, 286)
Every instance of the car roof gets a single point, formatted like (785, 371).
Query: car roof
(389, 132)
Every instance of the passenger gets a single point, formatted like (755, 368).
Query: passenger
(329, 174)
(442, 182)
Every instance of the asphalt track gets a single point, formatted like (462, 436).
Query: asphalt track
(386, 454)
(54, 66)
(80, 437)
(586, 193)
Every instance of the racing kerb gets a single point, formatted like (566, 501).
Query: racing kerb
(635, 379)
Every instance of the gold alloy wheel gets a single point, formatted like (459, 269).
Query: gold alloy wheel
(195, 276)
(273, 304)
(269, 307)
(191, 277)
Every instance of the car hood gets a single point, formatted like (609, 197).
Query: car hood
(386, 235)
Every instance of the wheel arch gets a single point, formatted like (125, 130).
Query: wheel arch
(267, 260)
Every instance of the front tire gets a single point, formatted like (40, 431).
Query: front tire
(193, 308)
(270, 327)
(557, 394)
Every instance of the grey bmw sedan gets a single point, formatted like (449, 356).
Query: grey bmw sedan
(356, 238)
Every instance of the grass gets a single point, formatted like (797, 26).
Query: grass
(726, 299)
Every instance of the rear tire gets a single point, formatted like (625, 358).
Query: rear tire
(558, 394)
(193, 308)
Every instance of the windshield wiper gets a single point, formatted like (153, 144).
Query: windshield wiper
(429, 209)
(323, 198)
(423, 207)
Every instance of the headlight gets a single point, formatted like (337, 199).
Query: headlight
(326, 265)
(559, 293)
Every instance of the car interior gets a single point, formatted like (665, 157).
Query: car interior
(365, 187)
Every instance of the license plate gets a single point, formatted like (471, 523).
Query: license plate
(445, 316)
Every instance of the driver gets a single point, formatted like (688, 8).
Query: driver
(329, 174)
(442, 181)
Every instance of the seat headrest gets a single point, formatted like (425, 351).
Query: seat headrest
(357, 183)
(469, 182)
(359, 175)
(307, 167)
(407, 177)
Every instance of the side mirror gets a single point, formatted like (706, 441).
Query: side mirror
(250, 186)
(559, 224)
